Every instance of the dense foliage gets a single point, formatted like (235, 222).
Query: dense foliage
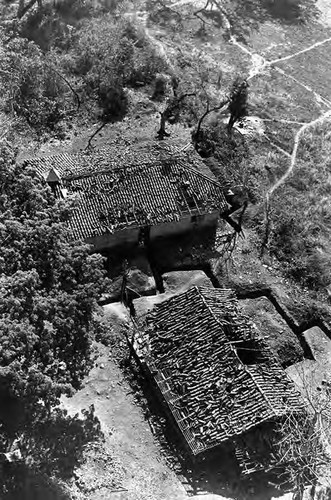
(65, 54)
(49, 286)
(109, 55)
(31, 88)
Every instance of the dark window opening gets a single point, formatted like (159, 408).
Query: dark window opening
(191, 202)
(248, 353)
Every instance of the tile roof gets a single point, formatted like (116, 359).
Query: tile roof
(214, 371)
(132, 187)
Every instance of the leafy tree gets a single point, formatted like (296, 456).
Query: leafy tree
(31, 89)
(109, 56)
(55, 23)
(109, 52)
(49, 286)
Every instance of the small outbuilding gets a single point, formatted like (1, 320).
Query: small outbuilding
(217, 380)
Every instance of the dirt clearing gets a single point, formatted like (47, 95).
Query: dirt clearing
(140, 466)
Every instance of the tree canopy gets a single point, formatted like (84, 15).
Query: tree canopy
(49, 285)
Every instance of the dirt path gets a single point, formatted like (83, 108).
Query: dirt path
(318, 98)
(184, 2)
(297, 138)
(259, 64)
(303, 51)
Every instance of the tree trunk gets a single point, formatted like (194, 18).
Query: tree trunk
(231, 123)
(162, 131)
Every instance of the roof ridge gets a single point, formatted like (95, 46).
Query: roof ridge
(152, 163)
(84, 152)
(180, 153)
(211, 312)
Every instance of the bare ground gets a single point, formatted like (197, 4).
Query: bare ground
(140, 469)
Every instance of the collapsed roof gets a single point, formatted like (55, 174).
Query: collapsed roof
(134, 187)
(216, 375)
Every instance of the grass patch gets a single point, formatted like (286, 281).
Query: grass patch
(274, 96)
(275, 40)
(312, 69)
(301, 214)
(282, 134)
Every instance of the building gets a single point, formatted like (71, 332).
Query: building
(216, 378)
(131, 195)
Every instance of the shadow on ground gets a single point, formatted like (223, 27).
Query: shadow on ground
(218, 476)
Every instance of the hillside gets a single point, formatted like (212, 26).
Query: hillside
(77, 76)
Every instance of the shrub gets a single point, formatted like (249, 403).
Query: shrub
(31, 89)
(111, 53)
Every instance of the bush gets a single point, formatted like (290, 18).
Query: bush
(298, 245)
(110, 55)
(231, 161)
(54, 24)
(31, 89)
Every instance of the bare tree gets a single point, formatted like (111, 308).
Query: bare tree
(209, 95)
(173, 107)
(209, 109)
(216, 15)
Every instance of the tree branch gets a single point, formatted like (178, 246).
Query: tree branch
(68, 83)
(89, 145)
(165, 115)
(205, 114)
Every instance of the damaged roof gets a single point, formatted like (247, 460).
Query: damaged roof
(132, 187)
(215, 373)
